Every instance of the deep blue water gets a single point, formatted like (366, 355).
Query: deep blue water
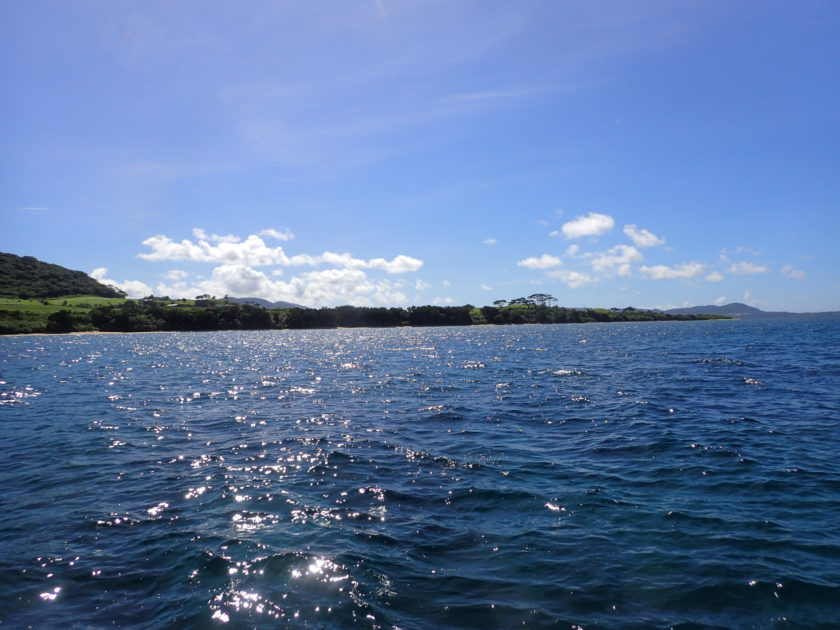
(646, 475)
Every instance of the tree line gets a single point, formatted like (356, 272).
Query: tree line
(152, 314)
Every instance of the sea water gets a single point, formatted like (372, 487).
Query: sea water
(640, 475)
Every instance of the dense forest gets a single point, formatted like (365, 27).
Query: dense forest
(27, 277)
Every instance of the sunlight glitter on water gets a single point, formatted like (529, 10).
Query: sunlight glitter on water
(409, 492)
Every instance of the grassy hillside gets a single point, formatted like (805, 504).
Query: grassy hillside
(24, 316)
(29, 278)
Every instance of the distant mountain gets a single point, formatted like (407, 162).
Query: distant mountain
(26, 277)
(264, 303)
(743, 311)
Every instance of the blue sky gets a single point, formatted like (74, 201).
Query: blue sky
(652, 154)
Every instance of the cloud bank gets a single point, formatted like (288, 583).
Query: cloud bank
(340, 278)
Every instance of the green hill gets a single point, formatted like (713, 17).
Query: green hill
(26, 277)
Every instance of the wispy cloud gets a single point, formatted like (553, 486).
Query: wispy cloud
(574, 279)
(663, 272)
(789, 271)
(285, 235)
(744, 268)
(642, 238)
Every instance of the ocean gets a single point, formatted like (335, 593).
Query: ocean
(644, 475)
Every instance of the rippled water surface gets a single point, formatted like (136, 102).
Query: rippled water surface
(601, 475)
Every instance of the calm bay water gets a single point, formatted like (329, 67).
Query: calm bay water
(602, 475)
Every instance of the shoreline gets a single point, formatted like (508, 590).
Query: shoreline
(158, 332)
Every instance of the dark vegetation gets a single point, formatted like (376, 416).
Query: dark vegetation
(152, 314)
(26, 277)
(32, 301)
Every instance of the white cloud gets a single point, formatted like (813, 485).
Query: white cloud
(663, 272)
(175, 275)
(490, 241)
(446, 283)
(715, 276)
(616, 260)
(592, 224)
(641, 237)
(741, 249)
(789, 271)
(486, 287)
(721, 300)
(315, 288)
(399, 264)
(573, 251)
(227, 238)
(285, 235)
(421, 286)
(251, 251)
(545, 261)
(132, 288)
(254, 252)
(573, 279)
(748, 298)
(747, 268)
(443, 300)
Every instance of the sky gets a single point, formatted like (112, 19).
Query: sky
(611, 154)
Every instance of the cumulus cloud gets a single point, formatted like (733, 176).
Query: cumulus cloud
(747, 268)
(642, 238)
(443, 300)
(789, 271)
(715, 276)
(592, 224)
(225, 250)
(253, 252)
(721, 300)
(616, 260)
(663, 272)
(486, 287)
(314, 288)
(546, 261)
(132, 288)
(343, 279)
(573, 279)
(399, 264)
(421, 286)
(490, 241)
